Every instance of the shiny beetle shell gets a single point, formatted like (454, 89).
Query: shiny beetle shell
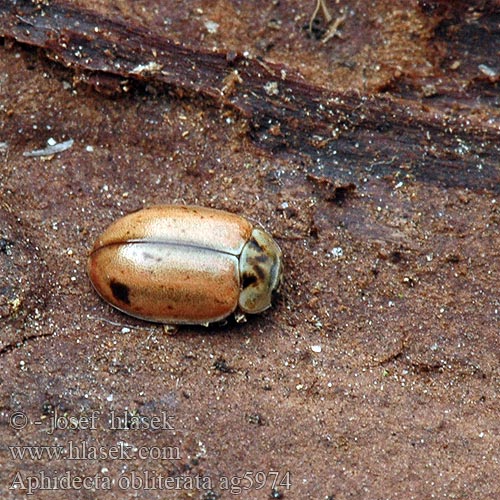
(185, 265)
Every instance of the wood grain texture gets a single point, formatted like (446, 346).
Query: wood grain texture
(449, 137)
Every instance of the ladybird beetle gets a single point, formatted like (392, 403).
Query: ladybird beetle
(177, 264)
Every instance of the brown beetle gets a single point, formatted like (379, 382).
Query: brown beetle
(176, 264)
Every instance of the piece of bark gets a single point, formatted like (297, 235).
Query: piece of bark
(407, 138)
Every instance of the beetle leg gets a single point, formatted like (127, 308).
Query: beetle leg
(240, 317)
(170, 329)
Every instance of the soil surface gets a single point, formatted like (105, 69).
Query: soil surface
(365, 139)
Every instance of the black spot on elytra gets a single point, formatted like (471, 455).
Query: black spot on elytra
(248, 280)
(120, 291)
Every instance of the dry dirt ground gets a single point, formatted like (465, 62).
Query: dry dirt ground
(366, 141)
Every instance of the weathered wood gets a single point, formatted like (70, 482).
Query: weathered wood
(347, 136)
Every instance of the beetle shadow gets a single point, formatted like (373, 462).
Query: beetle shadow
(226, 327)
(229, 327)
(233, 326)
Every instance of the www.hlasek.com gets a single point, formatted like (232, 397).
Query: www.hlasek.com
(82, 450)
(146, 480)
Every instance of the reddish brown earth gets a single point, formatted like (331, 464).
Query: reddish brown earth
(371, 154)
